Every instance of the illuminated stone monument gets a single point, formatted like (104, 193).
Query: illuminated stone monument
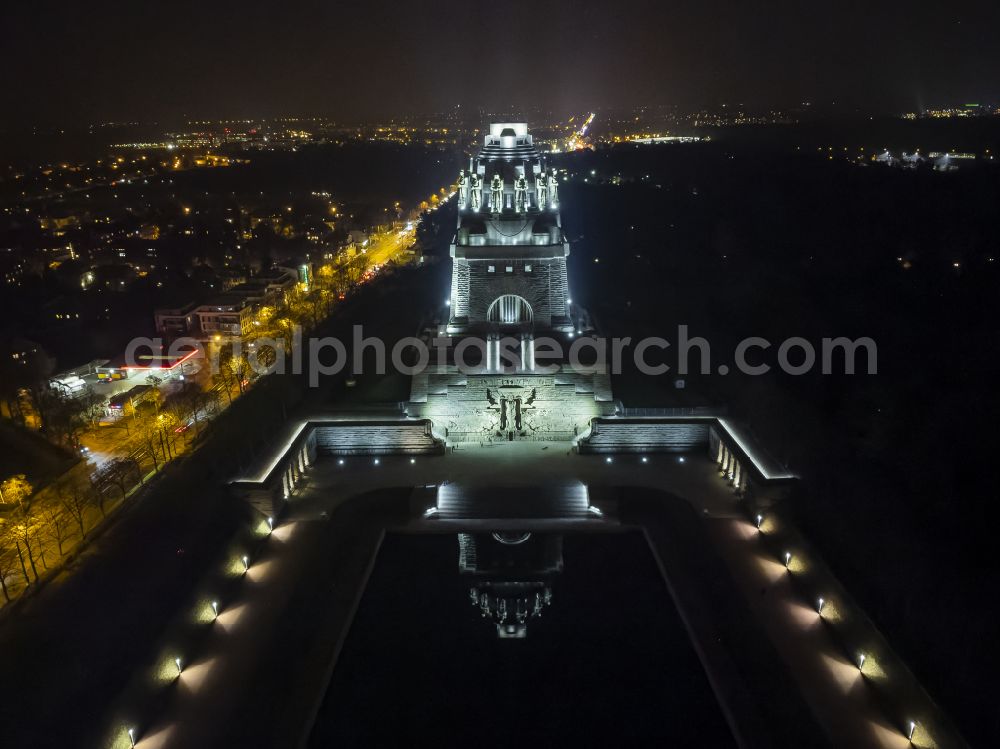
(510, 255)
(509, 289)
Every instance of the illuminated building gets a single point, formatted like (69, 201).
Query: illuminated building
(509, 250)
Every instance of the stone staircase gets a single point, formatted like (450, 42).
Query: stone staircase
(556, 502)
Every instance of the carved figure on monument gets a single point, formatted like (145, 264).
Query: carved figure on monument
(542, 191)
(496, 194)
(476, 191)
(553, 189)
(520, 194)
(463, 188)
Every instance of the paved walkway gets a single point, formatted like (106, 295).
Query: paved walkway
(214, 683)
(839, 697)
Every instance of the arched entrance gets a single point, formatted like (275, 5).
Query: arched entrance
(509, 309)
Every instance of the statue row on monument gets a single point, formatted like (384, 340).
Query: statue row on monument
(470, 192)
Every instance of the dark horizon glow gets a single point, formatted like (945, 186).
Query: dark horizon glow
(74, 63)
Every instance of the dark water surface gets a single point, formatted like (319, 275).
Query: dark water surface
(609, 659)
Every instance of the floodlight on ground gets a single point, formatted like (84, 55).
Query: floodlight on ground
(246, 563)
(910, 730)
(215, 608)
(680, 459)
(270, 524)
(760, 519)
(645, 459)
(131, 737)
(177, 662)
(788, 558)
(607, 459)
(861, 661)
(412, 461)
(820, 603)
(376, 461)
(340, 462)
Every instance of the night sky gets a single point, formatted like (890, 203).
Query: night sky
(80, 62)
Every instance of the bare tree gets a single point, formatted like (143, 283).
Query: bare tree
(74, 498)
(25, 531)
(8, 567)
(58, 526)
(16, 490)
(115, 473)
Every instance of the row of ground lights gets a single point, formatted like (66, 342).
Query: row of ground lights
(821, 605)
(243, 566)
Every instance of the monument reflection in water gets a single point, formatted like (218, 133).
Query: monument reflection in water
(512, 573)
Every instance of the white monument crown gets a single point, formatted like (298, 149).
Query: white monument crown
(509, 243)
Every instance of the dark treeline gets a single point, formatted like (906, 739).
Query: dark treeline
(752, 238)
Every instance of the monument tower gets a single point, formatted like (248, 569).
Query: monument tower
(509, 271)
(508, 291)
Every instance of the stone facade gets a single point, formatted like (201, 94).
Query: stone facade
(499, 407)
(509, 240)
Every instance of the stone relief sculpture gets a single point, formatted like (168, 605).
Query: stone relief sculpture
(463, 188)
(520, 194)
(542, 191)
(496, 194)
(476, 192)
